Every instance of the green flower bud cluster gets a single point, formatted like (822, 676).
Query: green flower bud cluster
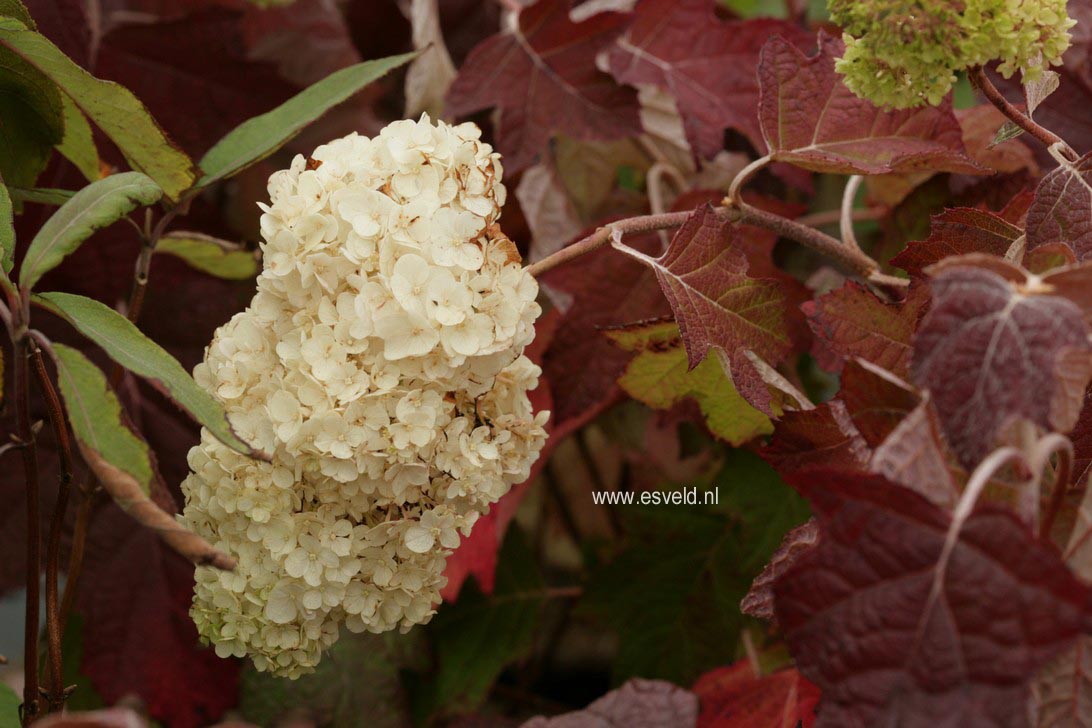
(904, 53)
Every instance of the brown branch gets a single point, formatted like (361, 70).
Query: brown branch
(602, 236)
(54, 627)
(25, 433)
(982, 82)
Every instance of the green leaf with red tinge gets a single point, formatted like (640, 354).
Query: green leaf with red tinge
(990, 351)
(810, 119)
(955, 232)
(735, 697)
(706, 65)
(895, 633)
(718, 306)
(660, 377)
(542, 77)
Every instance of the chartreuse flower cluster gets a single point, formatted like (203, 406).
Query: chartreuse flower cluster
(903, 53)
(381, 363)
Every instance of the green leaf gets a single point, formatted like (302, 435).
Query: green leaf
(210, 255)
(126, 345)
(41, 195)
(114, 108)
(7, 231)
(476, 637)
(660, 377)
(9, 707)
(96, 417)
(78, 144)
(96, 206)
(31, 115)
(359, 677)
(257, 138)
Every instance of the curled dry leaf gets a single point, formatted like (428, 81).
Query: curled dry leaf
(759, 601)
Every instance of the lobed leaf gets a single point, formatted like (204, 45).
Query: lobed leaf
(707, 65)
(95, 414)
(660, 377)
(126, 345)
(825, 434)
(894, 633)
(113, 108)
(703, 274)
(810, 119)
(541, 75)
(956, 232)
(736, 697)
(210, 255)
(96, 206)
(257, 138)
(989, 351)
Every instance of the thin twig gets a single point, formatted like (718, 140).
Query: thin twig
(602, 236)
(978, 77)
(31, 704)
(54, 627)
(834, 217)
(845, 220)
(742, 177)
(1048, 446)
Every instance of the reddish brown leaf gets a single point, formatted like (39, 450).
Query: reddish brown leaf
(810, 119)
(875, 399)
(718, 306)
(955, 232)
(895, 634)
(851, 322)
(1063, 691)
(824, 435)
(1082, 441)
(988, 353)
(734, 697)
(913, 456)
(1062, 210)
(759, 601)
(601, 289)
(542, 77)
(707, 65)
(637, 704)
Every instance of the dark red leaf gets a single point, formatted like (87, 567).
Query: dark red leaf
(852, 322)
(988, 353)
(759, 601)
(955, 232)
(825, 434)
(1062, 210)
(734, 697)
(913, 455)
(894, 635)
(542, 77)
(703, 274)
(707, 66)
(809, 118)
(875, 399)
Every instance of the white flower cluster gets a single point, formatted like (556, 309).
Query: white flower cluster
(381, 363)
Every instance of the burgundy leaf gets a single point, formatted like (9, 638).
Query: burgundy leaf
(1063, 691)
(601, 289)
(894, 633)
(810, 119)
(852, 322)
(759, 601)
(1062, 210)
(718, 306)
(735, 697)
(913, 456)
(955, 232)
(989, 353)
(541, 76)
(707, 65)
(824, 435)
(877, 400)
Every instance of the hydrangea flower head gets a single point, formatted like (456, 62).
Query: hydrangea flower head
(903, 53)
(381, 363)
